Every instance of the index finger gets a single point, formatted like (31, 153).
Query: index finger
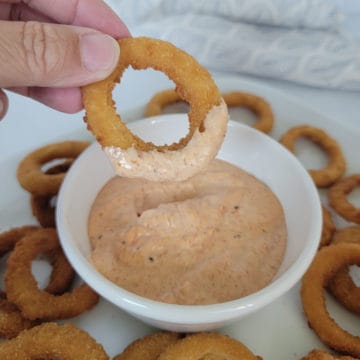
(95, 14)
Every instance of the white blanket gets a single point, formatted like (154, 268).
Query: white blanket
(301, 41)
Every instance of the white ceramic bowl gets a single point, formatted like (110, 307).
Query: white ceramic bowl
(243, 146)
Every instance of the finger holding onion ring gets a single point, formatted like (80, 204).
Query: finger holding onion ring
(130, 155)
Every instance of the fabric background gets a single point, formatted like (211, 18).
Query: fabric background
(305, 41)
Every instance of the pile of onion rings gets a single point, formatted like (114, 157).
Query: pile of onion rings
(338, 200)
(336, 167)
(194, 85)
(48, 339)
(326, 264)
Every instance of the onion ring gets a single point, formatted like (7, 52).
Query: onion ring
(11, 319)
(328, 228)
(141, 53)
(62, 273)
(52, 341)
(338, 201)
(335, 169)
(324, 355)
(258, 105)
(21, 286)
(33, 179)
(149, 347)
(197, 346)
(41, 205)
(327, 262)
(194, 84)
(160, 100)
(342, 285)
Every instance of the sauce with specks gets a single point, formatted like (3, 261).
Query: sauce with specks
(215, 237)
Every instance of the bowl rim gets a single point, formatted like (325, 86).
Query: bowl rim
(190, 314)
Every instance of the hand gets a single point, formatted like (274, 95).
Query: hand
(49, 48)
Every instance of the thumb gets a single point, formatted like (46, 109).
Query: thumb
(42, 54)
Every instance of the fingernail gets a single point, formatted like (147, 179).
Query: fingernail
(99, 52)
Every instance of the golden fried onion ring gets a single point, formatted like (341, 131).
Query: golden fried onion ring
(326, 264)
(11, 319)
(53, 341)
(29, 172)
(335, 169)
(342, 285)
(62, 272)
(193, 84)
(149, 347)
(207, 345)
(129, 154)
(22, 289)
(338, 201)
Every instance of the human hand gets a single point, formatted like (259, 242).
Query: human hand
(49, 48)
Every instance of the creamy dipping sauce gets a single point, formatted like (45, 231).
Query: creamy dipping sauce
(215, 237)
(174, 165)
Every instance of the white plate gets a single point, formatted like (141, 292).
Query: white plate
(279, 331)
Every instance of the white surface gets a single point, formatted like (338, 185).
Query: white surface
(279, 331)
(243, 146)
